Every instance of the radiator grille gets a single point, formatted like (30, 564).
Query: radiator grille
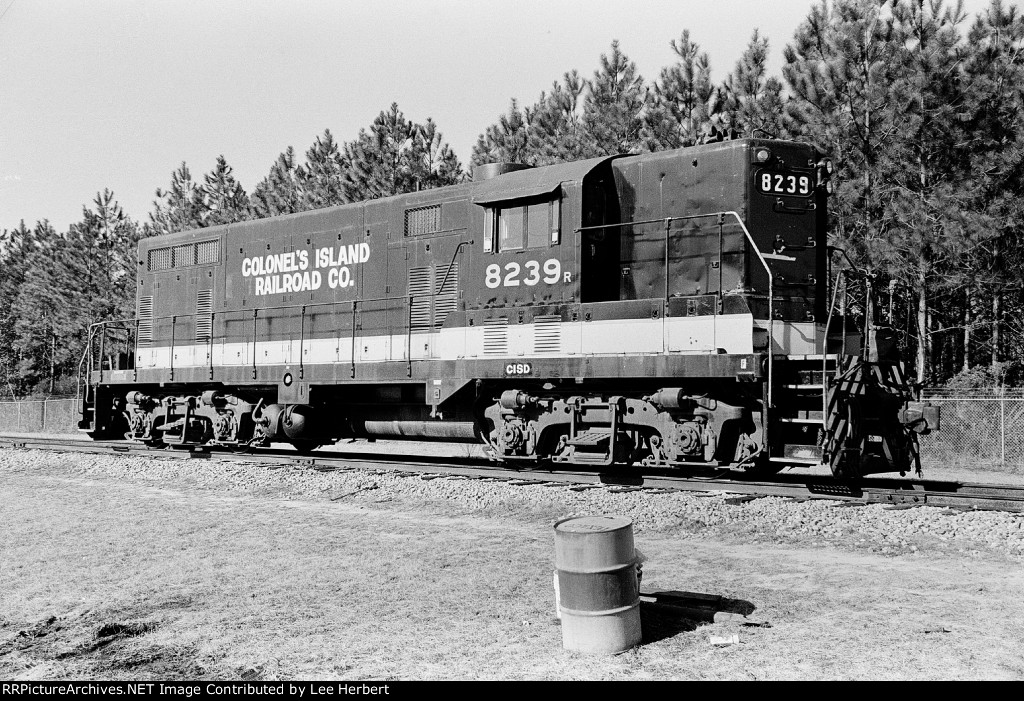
(204, 316)
(207, 252)
(184, 255)
(547, 334)
(496, 336)
(145, 338)
(423, 220)
(159, 259)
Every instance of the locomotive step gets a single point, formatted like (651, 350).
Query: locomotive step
(802, 452)
(793, 420)
(796, 461)
(819, 357)
(816, 388)
(586, 458)
(593, 438)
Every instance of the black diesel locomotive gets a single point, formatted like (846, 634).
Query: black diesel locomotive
(665, 308)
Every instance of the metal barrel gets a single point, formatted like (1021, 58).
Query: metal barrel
(598, 592)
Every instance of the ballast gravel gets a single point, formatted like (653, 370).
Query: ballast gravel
(875, 527)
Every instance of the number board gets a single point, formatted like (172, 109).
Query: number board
(783, 182)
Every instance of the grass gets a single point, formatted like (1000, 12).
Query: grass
(124, 579)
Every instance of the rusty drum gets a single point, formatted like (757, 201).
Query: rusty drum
(598, 592)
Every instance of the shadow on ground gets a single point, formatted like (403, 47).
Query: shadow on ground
(667, 613)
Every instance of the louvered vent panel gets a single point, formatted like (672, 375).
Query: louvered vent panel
(423, 220)
(496, 336)
(204, 316)
(547, 334)
(420, 290)
(447, 286)
(159, 259)
(184, 255)
(145, 338)
(207, 252)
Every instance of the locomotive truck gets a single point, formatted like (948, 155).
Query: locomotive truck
(668, 309)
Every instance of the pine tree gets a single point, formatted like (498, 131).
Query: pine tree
(181, 207)
(908, 111)
(992, 117)
(683, 100)
(279, 192)
(556, 132)
(927, 195)
(614, 109)
(223, 199)
(85, 276)
(319, 179)
(17, 246)
(435, 164)
(839, 70)
(115, 240)
(378, 163)
(752, 101)
(507, 141)
(396, 156)
(49, 314)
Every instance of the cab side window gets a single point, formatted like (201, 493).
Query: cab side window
(523, 226)
(511, 227)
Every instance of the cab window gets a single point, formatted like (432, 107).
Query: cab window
(523, 226)
(511, 227)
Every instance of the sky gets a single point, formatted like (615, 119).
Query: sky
(117, 93)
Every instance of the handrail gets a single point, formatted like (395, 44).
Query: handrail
(352, 358)
(824, 350)
(81, 363)
(408, 337)
(170, 361)
(209, 346)
(255, 329)
(302, 341)
(256, 309)
(760, 257)
(447, 272)
(102, 326)
(103, 338)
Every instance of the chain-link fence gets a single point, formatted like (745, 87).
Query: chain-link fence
(39, 416)
(980, 430)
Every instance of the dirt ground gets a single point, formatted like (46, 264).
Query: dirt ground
(111, 578)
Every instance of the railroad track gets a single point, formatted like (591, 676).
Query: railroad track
(741, 487)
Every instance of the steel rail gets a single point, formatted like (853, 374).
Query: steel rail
(895, 491)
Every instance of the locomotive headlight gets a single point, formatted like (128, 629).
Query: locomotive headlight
(829, 187)
(829, 167)
(762, 155)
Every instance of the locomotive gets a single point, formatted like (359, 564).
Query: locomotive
(670, 309)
